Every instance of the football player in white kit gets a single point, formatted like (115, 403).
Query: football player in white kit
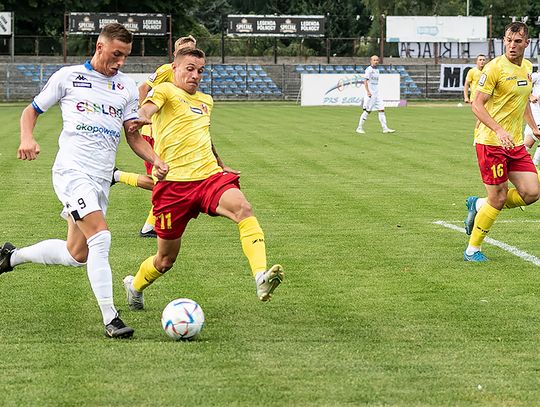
(535, 109)
(96, 102)
(372, 99)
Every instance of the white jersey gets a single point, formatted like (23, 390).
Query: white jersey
(94, 108)
(372, 75)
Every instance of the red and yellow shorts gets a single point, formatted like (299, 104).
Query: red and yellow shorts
(496, 162)
(176, 203)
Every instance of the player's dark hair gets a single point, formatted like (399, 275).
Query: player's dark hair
(516, 27)
(116, 31)
(480, 55)
(194, 52)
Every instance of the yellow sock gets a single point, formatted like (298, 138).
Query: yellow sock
(129, 178)
(482, 224)
(146, 275)
(252, 238)
(513, 199)
(151, 219)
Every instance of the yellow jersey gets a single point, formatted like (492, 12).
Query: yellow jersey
(473, 76)
(182, 132)
(163, 74)
(509, 86)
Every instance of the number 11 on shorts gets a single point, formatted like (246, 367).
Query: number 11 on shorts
(165, 219)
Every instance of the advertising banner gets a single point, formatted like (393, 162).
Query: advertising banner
(345, 89)
(137, 23)
(275, 26)
(435, 29)
(461, 50)
(6, 23)
(453, 76)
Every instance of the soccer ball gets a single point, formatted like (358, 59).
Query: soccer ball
(182, 319)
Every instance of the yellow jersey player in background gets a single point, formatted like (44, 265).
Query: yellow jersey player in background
(196, 182)
(500, 104)
(472, 78)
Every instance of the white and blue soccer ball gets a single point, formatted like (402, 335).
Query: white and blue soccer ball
(182, 319)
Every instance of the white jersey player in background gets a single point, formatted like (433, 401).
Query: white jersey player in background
(372, 99)
(535, 109)
(96, 102)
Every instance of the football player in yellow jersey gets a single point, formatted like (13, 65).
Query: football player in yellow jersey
(500, 104)
(471, 81)
(195, 183)
(162, 75)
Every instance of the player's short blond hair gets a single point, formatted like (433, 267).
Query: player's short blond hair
(185, 42)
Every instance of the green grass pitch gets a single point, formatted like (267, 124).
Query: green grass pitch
(377, 308)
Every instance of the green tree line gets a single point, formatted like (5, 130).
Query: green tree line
(353, 19)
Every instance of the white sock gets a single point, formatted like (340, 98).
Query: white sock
(99, 273)
(382, 119)
(471, 250)
(116, 175)
(536, 157)
(147, 228)
(363, 118)
(52, 251)
(479, 203)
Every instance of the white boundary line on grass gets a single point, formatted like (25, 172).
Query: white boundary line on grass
(510, 249)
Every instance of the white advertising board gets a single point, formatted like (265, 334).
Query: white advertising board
(453, 76)
(461, 50)
(345, 89)
(435, 29)
(5, 23)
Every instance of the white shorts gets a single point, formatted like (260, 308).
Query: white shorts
(80, 193)
(372, 103)
(536, 116)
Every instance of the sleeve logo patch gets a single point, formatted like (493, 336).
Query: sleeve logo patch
(482, 79)
(522, 83)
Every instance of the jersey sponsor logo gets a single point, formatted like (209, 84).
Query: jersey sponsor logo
(107, 110)
(511, 78)
(115, 85)
(77, 84)
(196, 110)
(522, 83)
(482, 79)
(91, 128)
(81, 78)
